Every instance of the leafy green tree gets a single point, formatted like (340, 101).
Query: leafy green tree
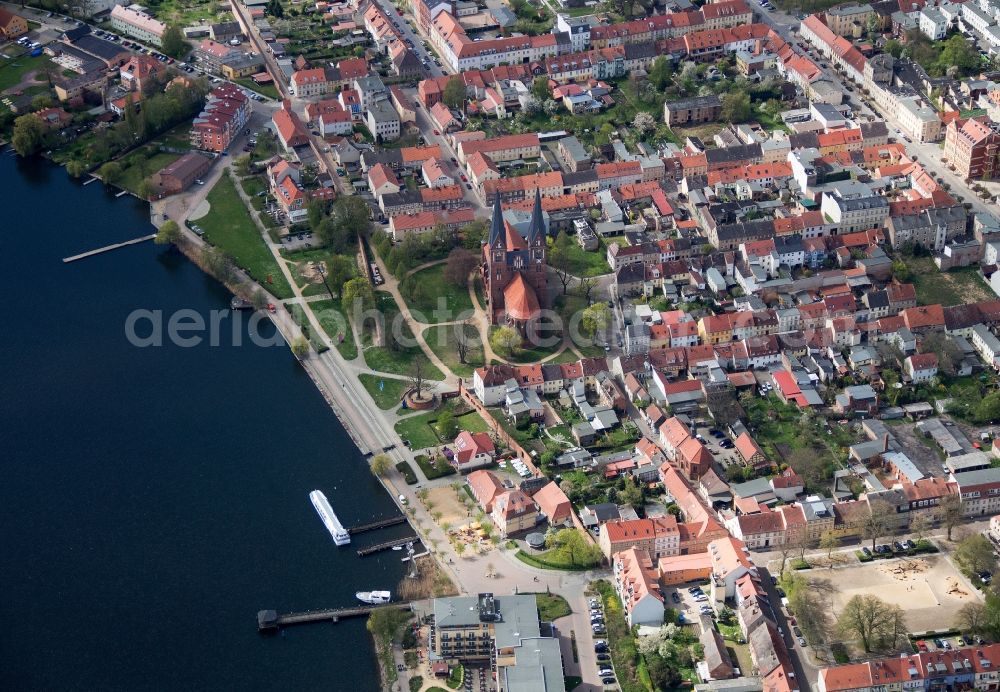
(975, 554)
(110, 172)
(173, 43)
(146, 189)
(989, 408)
(349, 218)
(540, 88)
(631, 494)
(474, 233)
(29, 131)
(380, 465)
(447, 426)
(275, 9)
(505, 340)
(736, 107)
(661, 72)
(596, 318)
(960, 53)
(454, 93)
(315, 213)
(339, 270)
(76, 168)
(357, 291)
(168, 234)
(893, 48)
(300, 347)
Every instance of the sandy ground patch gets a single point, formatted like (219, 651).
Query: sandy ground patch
(928, 588)
(200, 211)
(447, 502)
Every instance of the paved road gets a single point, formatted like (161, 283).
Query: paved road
(403, 23)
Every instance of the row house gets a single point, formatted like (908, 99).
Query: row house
(504, 148)
(657, 536)
(980, 491)
(637, 583)
(963, 668)
(427, 221)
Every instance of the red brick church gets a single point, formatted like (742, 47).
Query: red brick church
(515, 269)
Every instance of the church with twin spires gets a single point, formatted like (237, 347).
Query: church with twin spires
(515, 269)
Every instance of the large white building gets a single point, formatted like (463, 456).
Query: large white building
(137, 25)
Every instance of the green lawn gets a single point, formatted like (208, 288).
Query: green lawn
(141, 168)
(12, 72)
(552, 606)
(956, 287)
(442, 340)
(438, 468)
(582, 263)
(268, 90)
(331, 318)
(398, 360)
(417, 428)
(418, 431)
(550, 559)
(391, 393)
(229, 226)
(408, 474)
(472, 422)
(431, 299)
(177, 138)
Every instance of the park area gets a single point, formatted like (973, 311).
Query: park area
(929, 589)
(228, 226)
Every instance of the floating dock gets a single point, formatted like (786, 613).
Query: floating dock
(271, 620)
(372, 549)
(109, 248)
(379, 524)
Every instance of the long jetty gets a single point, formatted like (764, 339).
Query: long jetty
(379, 524)
(372, 549)
(109, 248)
(270, 620)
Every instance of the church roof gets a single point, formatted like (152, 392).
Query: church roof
(537, 228)
(519, 299)
(496, 226)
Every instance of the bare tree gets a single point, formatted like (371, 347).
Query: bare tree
(785, 549)
(586, 287)
(877, 523)
(462, 342)
(416, 378)
(872, 621)
(828, 542)
(920, 525)
(972, 618)
(950, 512)
(800, 544)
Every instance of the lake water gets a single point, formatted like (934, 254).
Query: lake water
(154, 499)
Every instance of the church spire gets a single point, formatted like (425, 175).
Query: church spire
(496, 229)
(536, 232)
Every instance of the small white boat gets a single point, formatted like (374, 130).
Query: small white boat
(397, 547)
(373, 597)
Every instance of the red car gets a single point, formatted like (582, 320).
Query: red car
(436, 132)
(464, 179)
(922, 645)
(399, 12)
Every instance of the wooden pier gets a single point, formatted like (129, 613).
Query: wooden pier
(270, 620)
(372, 549)
(109, 248)
(379, 524)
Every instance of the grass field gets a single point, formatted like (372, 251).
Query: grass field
(13, 71)
(955, 287)
(552, 606)
(431, 299)
(417, 428)
(582, 263)
(391, 393)
(229, 226)
(400, 360)
(442, 341)
(140, 169)
(267, 90)
(331, 318)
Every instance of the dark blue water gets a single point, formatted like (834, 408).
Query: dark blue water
(153, 499)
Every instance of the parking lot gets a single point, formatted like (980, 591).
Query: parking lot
(605, 668)
(719, 445)
(691, 601)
